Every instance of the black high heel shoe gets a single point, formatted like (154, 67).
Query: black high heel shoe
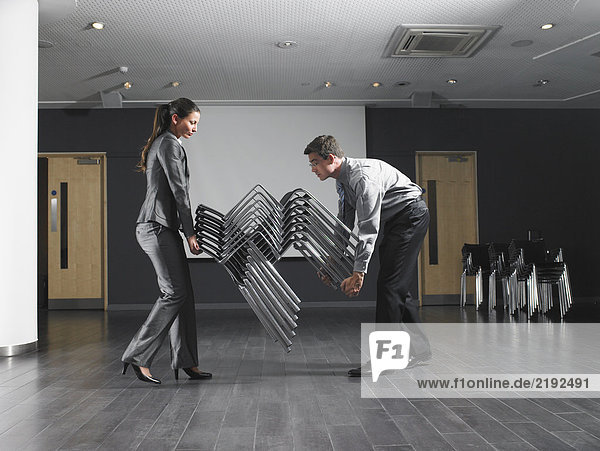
(192, 374)
(138, 372)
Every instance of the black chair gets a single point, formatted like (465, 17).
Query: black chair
(476, 263)
(555, 272)
(499, 269)
(534, 271)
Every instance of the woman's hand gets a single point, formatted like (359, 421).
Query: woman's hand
(194, 246)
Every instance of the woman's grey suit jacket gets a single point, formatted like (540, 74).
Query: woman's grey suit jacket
(167, 183)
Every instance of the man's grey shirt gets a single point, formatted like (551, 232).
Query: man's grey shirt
(374, 191)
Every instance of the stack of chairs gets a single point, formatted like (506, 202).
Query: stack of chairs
(534, 271)
(319, 236)
(527, 273)
(499, 270)
(476, 263)
(257, 231)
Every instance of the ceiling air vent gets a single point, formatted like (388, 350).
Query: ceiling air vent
(435, 41)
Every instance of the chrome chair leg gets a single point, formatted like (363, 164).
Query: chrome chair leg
(463, 289)
(478, 289)
(492, 291)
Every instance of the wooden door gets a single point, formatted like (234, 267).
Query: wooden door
(76, 231)
(450, 181)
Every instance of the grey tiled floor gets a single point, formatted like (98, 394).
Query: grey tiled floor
(71, 395)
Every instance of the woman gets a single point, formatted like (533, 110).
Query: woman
(166, 209)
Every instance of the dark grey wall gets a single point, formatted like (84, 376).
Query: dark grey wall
(121, 133)
(537, 169)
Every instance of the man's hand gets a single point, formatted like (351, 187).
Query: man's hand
(194, 246)
(352, 285)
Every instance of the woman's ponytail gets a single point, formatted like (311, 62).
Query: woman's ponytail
(161, 124)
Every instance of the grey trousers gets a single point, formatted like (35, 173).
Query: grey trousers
(403, 236)
(174, 311)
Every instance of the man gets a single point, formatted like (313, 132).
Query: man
(378, 195)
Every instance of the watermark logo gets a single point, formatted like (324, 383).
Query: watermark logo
(389, 350)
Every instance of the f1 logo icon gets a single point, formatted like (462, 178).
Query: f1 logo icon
(389, 350)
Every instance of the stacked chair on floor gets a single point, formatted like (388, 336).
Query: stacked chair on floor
(499, 271)
(255, 233)
(476, 263)
(526, 271)
(533, 273)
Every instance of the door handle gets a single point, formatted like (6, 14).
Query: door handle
(53, 214)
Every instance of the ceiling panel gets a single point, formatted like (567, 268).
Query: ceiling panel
(224, 52)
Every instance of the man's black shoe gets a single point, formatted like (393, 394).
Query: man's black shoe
(355, 372)
(413, 361)
(360, 371)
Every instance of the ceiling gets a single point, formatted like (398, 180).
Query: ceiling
(224, 52)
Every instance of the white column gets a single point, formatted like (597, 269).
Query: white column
(18, 175)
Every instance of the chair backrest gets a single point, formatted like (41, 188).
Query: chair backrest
(479, 255)
(533, 251)
(498, 255)
(496, 250)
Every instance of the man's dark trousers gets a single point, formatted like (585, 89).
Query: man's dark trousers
(403, 236)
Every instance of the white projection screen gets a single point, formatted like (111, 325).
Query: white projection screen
(238, 147)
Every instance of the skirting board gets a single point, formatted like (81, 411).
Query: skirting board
(76, 304)
(11, 350)
(243, 305)
(445, 299)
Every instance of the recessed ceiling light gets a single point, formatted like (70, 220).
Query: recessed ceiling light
(543, 82)
(127, 85)
(547, 26)
(45, 44)
(175, 84)
(287, 44)
(328, 84)
(452, 81)
(376, 84)
(97, 25)
(403, 83)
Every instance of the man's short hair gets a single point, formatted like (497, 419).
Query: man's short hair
(323, 146)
